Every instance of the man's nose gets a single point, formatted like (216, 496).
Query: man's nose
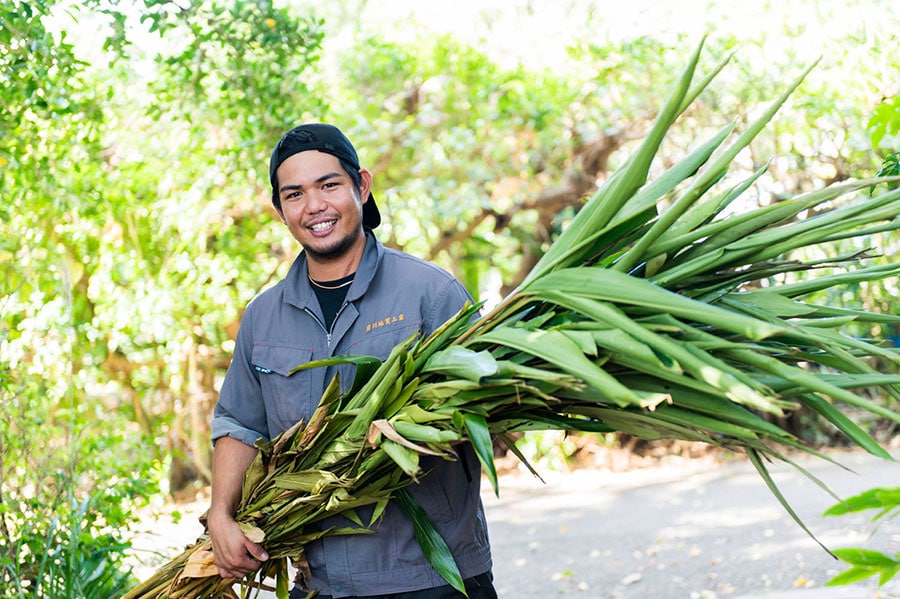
(315, 202)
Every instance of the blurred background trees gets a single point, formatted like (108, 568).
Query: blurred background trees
(136, 222)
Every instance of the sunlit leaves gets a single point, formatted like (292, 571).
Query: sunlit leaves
(885, 120)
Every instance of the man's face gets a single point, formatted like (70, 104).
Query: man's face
(320, 204)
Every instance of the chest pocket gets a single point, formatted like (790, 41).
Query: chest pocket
(288, 397)
(379, 342)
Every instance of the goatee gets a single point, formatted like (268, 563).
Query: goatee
(335, 251)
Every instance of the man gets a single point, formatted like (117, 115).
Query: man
(345, 294)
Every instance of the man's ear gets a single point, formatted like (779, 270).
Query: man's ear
(365, 185)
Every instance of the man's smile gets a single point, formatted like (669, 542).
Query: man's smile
(323, 226)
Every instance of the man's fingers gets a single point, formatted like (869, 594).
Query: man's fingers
(245, 565)
(223, 573)
(236, 556)
(258, 552)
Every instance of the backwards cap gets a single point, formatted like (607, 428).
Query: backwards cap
(324, 138)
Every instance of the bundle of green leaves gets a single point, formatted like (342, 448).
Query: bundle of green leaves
(659, 322)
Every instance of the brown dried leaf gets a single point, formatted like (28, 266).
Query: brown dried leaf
(285, 438)
(319, 417)
(387, 429)
(303, 576)
(201, 564)
(252, 532)
(374, 434)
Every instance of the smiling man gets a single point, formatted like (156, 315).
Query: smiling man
(345, 294)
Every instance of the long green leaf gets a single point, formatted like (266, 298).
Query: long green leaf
(683, 231)
(773, 302)
(431, 542)
(756, 460)
(885, 499)
(612, 286)
(853, 431)
(735, 227)
(462, 362)
(557, 349)
(872, 210)
(712, 405)
(802, 377)
(710, 175)
(871, 273)
(607, 202)
(649, 195)
(702, 368)
(643, 425)
(477, 429)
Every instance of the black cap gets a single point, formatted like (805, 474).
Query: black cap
(324, 138)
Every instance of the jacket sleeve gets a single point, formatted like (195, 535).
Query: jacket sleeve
(240, 412)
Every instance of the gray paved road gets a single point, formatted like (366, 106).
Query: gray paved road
(683, 532)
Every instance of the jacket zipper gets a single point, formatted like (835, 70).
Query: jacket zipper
(320, 323)
(328, 333)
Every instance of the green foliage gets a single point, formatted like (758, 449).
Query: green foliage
(70, 483)
(890, 167)
(244, 60)
(885, 120)
(866, 563)
(66, 548)
(62, 537)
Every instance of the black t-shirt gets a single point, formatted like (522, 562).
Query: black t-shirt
(331, 296)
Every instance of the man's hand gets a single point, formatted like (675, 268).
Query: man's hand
(235, 554)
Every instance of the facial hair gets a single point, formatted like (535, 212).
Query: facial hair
(337, 250)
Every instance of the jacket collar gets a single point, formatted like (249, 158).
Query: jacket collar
(299, 292)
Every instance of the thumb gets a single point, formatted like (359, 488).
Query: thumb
(257, 551)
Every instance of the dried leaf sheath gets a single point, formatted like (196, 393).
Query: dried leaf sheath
(661, 325)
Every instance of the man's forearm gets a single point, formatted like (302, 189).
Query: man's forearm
(231, 458)
(235, 555)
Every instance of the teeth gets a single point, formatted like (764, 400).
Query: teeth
(322, 226)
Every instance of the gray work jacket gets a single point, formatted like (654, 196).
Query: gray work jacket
(393, 296)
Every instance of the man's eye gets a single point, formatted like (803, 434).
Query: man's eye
(330, 185)
(292, 196)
